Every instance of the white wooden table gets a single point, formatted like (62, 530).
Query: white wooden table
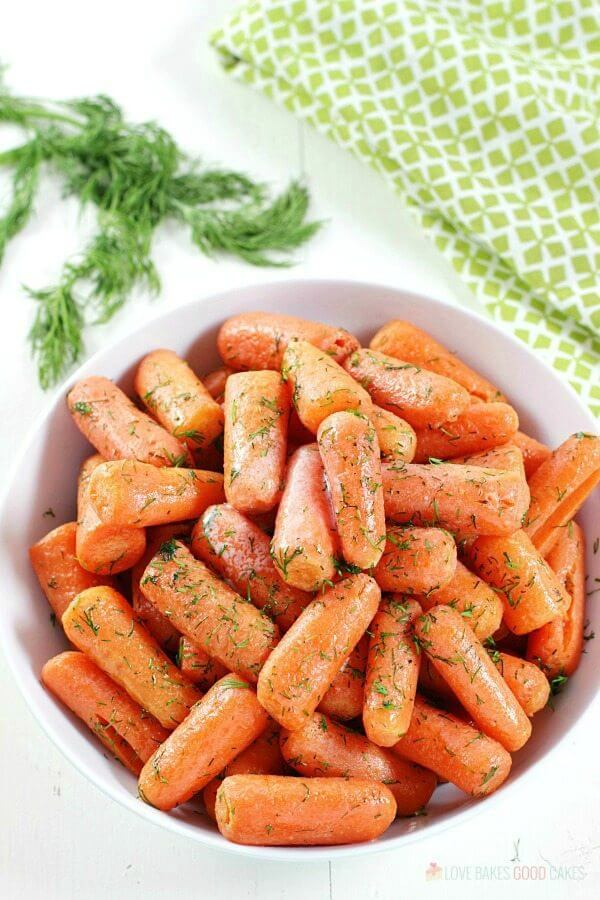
(60, 838)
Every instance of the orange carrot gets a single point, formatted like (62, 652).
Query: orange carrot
(473, 598)
(350, 452)
(123, 727)
(208, 612)
(534, 453)
(303, 666)
(178, 399)
(101, 624)
(226, 721)
(258, 340)
(479, 428)
(132, 493)
(319, 385)
(392, 672)
(560, 486)
(305, 545)
(103, 548)
(276, 810)
(215, 382)
(197, 666)
(454, 750)
(117, 428)
(530, 591)
(58, 571)
(460, 658)
(239, 551)
(506, 456)
(530, 686)
(557, 646)
(256, 418)
(325, 748)
(344, 699)
(397, 440)
(468, 499)
(416, 560)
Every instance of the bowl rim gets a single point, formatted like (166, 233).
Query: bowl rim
(215, 840)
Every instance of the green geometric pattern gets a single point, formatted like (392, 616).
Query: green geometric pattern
(483, 116)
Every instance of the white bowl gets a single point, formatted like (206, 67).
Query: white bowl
(45, 473)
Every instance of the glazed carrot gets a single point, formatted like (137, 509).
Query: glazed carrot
(208, 612)
(257, 409)
(101, 624)
(276, 810)
(416, 560)
(127, 492)
(258, 340)
(531, 593)
(215, 382)
(197, 666)
(326, 748)
(468, 499)
(473, 598)
(397, 440)
(263, 757)
(557, 646)
(344, 699)
(226, 721)
(506, 456)
(479, 428)
(454, 750)
(460, 658)
(123, 727)
(560, 486)
(534, 453)
(319, 385)
(530, 686)
(176, 396)
(350, 452)
(239, 551)
(304, 664)
(102, 547)
(305, 545)
(405, 341)
(117, 428)
(392, 672)
(58, 571)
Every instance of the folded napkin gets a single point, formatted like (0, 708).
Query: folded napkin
(483, 116)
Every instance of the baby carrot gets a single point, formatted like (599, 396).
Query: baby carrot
(123, 727)
(226, 721)
(506, 456)
(476, 429)
(102, 547)
(305, 546)
(417, 395)
(177, 398)
(531, 593)
(127, 492)
(460, 658)
(209, 612)
(350, 452)
(416, 560)
(276, 810)
(58, 571)
(215, 382)
(239, 551)
(534, 453)
(263, 757)
(257, 410)
(557, 646)
(454, 750)
(258, 340)
(319, 385)
(325, 748)
(473, 598)
(101, 624)
(560, 486)
(530, 686)
(197, 666)
(302, 667)
(392, 672)
(117, 428)
(468, 499)
(405, 341)
(344, 699)
(397, 440)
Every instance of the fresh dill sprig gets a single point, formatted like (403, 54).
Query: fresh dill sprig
(138, 178)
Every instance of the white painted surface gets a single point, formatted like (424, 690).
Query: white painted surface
(60, 837)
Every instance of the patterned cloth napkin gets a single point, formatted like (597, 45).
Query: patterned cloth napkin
(483, 115)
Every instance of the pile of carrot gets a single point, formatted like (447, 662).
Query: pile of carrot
(317, 582)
